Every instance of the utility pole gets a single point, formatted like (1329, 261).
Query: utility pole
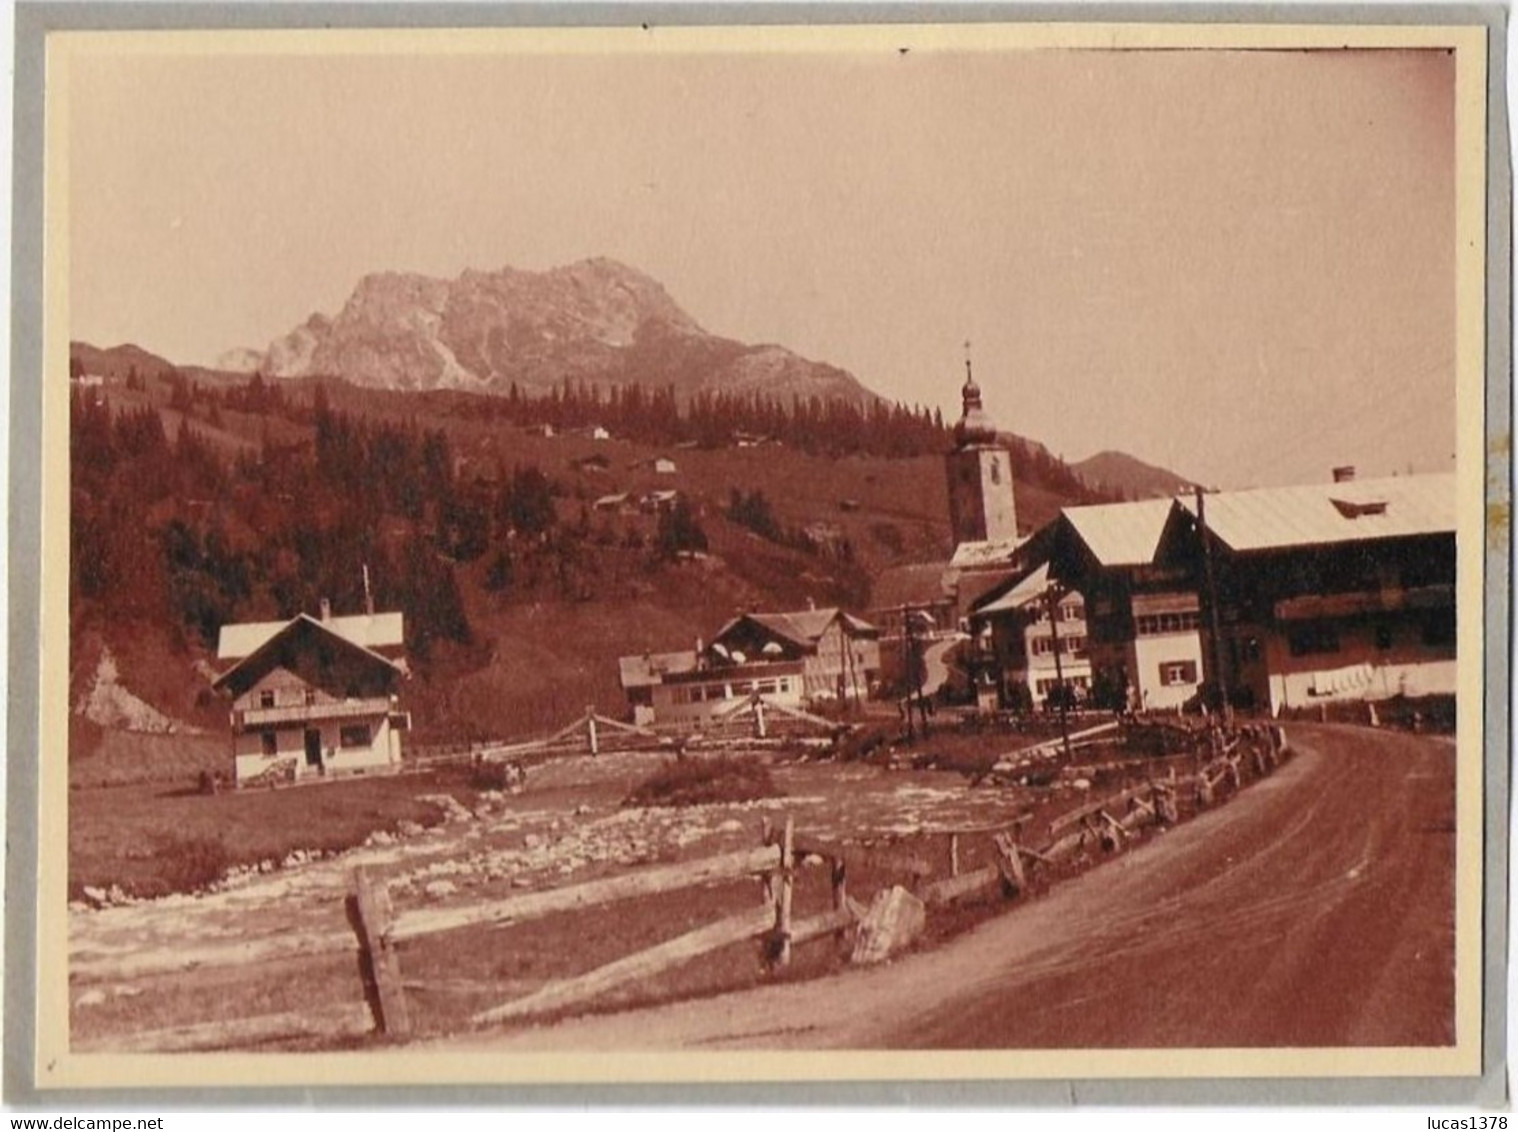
(914, 670)
(1218, 682)
(1052, 597)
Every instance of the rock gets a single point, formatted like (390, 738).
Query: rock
(533, 841)
(894, 921)
(90, 998)
(98, 895)
(381, 837)
(732, 825)
(520, 882)
(582, 809)
(408, 829)
(1082, 784)
(126, 992)
(439, 888)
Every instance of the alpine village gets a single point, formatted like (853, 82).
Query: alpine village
(563, 660)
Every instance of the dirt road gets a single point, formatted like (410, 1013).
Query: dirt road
(1316, 909)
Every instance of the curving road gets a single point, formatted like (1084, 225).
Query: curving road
(1316, 909)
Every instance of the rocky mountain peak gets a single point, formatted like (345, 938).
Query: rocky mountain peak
(596, 320)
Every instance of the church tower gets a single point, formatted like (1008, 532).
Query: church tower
(979, 469)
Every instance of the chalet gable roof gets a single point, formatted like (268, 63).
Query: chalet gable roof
(367, 630)
(1278, 518)
(1120, 534)
(649, 668)
(249, 668)
(802, 628)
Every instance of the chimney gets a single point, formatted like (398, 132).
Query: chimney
(700, 660)
(368, 593)
(326, 610)
(1344, 473)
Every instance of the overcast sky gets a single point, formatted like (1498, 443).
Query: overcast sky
(1236, 265)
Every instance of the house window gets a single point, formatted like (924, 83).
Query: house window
(266, 698)
(1074, 612)
(1175, 672)
(355, 735)
(1313, 637)
(269, 742)
(766, 687)
(310, 697)
(1154, 624)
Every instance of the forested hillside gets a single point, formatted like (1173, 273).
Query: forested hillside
(196, 503)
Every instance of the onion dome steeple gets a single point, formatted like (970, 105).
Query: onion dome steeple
(974, 426)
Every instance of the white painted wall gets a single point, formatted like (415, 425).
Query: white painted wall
(1358, 670)
(719, 694)
(1152, 652)
(383, 749)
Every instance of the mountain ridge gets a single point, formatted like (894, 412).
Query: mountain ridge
(1116, 471)
(595, 321)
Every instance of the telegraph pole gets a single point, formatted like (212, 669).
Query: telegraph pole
(1052, 597)
(915, 672)
(1221, 698)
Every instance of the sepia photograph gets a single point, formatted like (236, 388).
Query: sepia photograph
(793, 553)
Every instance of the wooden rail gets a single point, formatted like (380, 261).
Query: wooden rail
(644, 882)
(376, 931)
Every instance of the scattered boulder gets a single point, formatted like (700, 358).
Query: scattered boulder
(440, 888)
(90, 998)
(894, 921)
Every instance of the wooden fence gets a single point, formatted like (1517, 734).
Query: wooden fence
(1107, 823)
(754, 721)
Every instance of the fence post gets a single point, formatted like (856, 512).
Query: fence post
(840, 893)
(590, 728)
(759, 728)
(783, 895)
(371, 903)
(766, 879)
(953, 854)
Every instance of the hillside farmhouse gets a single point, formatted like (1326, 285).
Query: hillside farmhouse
(314, 697)
(787, 658)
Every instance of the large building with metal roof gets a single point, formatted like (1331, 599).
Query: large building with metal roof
(1329, 591)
